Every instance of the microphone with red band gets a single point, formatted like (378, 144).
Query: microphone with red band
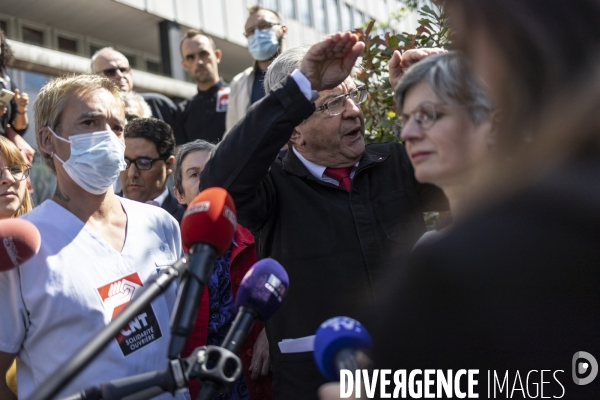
(20, 240)
(210, 218)
(207, 231)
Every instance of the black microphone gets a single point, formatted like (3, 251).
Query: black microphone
(260, 294)
(207, 230)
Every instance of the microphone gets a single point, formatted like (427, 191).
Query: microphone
(260, 294)
(340, 343)
(207, 230)
(20, 239)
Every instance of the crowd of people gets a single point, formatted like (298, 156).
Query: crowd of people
(502, 132)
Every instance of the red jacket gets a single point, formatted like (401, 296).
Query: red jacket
(243, 256)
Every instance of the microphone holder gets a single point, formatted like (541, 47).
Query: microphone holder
(215, 367)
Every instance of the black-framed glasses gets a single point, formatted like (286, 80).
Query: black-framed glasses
(110, 72)
(19, 172)
(142, 163)
(263, 27)
(337, 105)
(425, 115)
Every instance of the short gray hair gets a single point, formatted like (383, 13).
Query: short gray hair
(190, 147)
(130, 98)
(95, 56)
(453, 82)
(284, 65)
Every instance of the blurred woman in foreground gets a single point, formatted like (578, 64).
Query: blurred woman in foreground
(514, 286)
(14, 201)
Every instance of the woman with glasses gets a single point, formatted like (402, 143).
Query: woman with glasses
(14, 201)
(445, 117)
(14, 197)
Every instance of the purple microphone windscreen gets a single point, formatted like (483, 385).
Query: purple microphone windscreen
(334, 335)
(263, 288)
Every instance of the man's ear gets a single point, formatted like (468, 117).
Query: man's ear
(284, 31)
(45, 141)
(297, 139)
(218, 54)
(179, 196)
(170, 161)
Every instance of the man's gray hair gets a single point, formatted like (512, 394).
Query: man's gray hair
(95, 56)
(453, 82)
(190, 147)
(131, 98)
(284, 65)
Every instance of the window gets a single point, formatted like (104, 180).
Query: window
(131, 58)
(305, 14)
(320, 23)
(33, 36)
(68, 45)
(346, 12)
(271, 4)
(359, 18)
(289, 9)
(332, 15)
(153, 66)
(4, 27)
(94, 49)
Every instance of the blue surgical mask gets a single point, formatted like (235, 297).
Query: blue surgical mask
(263, 44)
(96, 160)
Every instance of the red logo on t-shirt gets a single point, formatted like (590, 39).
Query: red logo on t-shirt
(142, 329)
(222, 99)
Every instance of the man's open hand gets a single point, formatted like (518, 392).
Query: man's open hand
(398, 64)
(330, 61)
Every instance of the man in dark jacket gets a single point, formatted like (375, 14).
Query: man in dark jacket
(150, 154)
(336, 214)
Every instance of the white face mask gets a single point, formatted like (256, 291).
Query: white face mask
(96, 160)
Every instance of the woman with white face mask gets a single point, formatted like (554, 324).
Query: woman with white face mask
(446, 119)
(97, 250)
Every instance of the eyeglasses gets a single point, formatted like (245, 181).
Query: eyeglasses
(263, 27)
(18, 172)
(142, 163)
(110, 72)
(337, 105)
(425, 115)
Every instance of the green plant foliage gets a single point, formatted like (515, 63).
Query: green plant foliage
(378, 109)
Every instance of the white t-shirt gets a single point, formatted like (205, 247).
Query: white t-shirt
(52, 305)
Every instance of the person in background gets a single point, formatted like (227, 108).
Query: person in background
(216, 315)
(13, 115)
(135, 106)
(115, 67)
(149, 158)
(266, 40)
(203, 115)
(97, 250)
(14, 202)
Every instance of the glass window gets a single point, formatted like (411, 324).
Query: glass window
(359, 18)
(346, 12)
(332, 15)
(305, 14)
(94, 49)
(319, 8)
(68, 45)
(131, 58)
(271, 4)
(33, 36)
(153, 66)
(34, 81)
(289, 9)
